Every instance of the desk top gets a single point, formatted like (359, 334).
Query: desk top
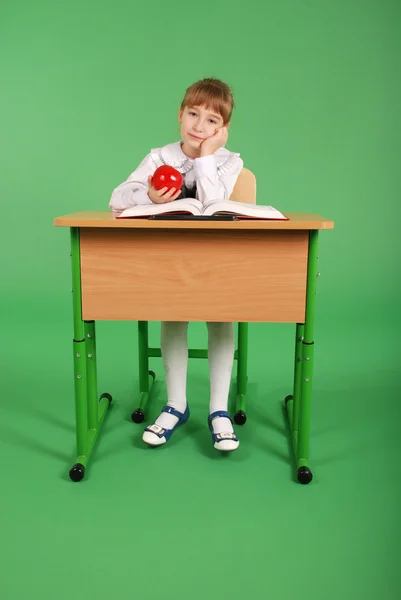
(106, 218)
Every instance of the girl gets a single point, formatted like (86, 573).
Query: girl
(209, 172)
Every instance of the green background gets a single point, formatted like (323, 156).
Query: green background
(87, 88)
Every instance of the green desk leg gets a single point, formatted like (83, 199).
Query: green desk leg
(89, 411)
(299, 403)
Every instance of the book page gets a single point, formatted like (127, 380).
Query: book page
(190, 205)
(256, 211)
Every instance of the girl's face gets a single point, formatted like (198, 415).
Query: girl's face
(198, 124)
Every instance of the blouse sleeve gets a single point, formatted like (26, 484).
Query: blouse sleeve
(134, 190)
(213, 183)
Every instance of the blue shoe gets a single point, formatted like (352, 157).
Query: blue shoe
(225, 442)
(154, 435)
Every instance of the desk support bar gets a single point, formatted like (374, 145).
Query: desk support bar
(89, 411)
(91, 373)
(76, 284)
(299, 338)
(299, 404)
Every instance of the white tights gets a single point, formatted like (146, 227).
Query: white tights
(174, 347)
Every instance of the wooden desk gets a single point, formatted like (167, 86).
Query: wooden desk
(146, 270)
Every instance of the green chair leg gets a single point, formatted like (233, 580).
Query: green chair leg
(242, 374)
(146, 377)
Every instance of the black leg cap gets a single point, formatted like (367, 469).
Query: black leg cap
(138, 416)
(77, 472)
(304, 475)
(240, 418)
(108, 396)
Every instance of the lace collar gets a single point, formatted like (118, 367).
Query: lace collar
(173, 155)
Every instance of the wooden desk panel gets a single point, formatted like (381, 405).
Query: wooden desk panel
(193, 275)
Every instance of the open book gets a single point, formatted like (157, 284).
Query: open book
(191, 206)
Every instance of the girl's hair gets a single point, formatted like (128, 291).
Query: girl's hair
(213, 94)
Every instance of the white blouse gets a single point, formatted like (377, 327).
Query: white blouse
(214, 176)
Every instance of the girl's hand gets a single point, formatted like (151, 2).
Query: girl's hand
(161, 196)
(216, 141)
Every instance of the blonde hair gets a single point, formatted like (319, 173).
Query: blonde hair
(213, 94)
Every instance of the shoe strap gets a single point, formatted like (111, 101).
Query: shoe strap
(172, 411)
(219, 413)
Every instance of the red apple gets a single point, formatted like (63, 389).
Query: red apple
(168, 177)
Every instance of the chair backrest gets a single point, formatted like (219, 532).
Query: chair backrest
(245, 188)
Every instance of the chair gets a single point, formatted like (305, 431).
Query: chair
(244, 191)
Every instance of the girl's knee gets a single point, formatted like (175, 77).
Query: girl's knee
(220, 329)
(176, 327)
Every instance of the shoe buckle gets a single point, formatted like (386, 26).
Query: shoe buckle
(225, 436)
(156, 429)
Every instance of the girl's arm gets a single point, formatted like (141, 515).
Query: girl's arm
(134, 190)
(214, 186)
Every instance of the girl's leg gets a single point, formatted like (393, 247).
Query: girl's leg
(221, 358)
(174, 347)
